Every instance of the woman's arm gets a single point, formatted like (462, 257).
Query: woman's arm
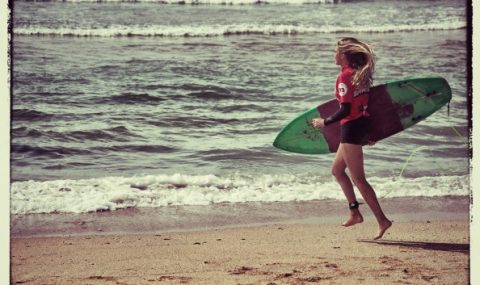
(339, 114)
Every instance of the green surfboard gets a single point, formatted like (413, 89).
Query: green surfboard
(393, 107)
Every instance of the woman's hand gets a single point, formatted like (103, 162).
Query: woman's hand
(318, 123)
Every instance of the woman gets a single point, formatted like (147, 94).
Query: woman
(357, 63)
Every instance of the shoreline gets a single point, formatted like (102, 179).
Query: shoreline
(220, 216)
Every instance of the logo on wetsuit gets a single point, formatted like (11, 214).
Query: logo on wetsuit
(361, 91)
(342, 89)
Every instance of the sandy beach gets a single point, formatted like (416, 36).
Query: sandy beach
(420, 248)
(411, 253)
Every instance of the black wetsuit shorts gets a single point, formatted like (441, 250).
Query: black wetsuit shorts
(355, 131)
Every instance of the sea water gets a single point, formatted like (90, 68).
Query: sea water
(121, 104)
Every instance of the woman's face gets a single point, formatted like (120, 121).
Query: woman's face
(339, 58)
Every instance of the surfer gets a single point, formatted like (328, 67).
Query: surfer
(356, 60)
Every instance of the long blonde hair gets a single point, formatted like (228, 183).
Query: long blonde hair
(360, 58)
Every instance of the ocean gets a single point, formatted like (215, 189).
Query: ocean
(154, 104)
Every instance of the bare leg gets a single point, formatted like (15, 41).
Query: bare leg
(353, 156)
(338, 170)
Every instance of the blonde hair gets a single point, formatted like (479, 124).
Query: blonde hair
(360, 58)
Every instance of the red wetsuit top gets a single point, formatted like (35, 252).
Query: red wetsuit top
(347, 93)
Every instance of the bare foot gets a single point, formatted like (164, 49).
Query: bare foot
(354, 219)
(382, 229)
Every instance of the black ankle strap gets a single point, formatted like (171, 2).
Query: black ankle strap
(353, 205)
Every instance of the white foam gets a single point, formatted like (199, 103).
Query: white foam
(234, 29)
(78, 196)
